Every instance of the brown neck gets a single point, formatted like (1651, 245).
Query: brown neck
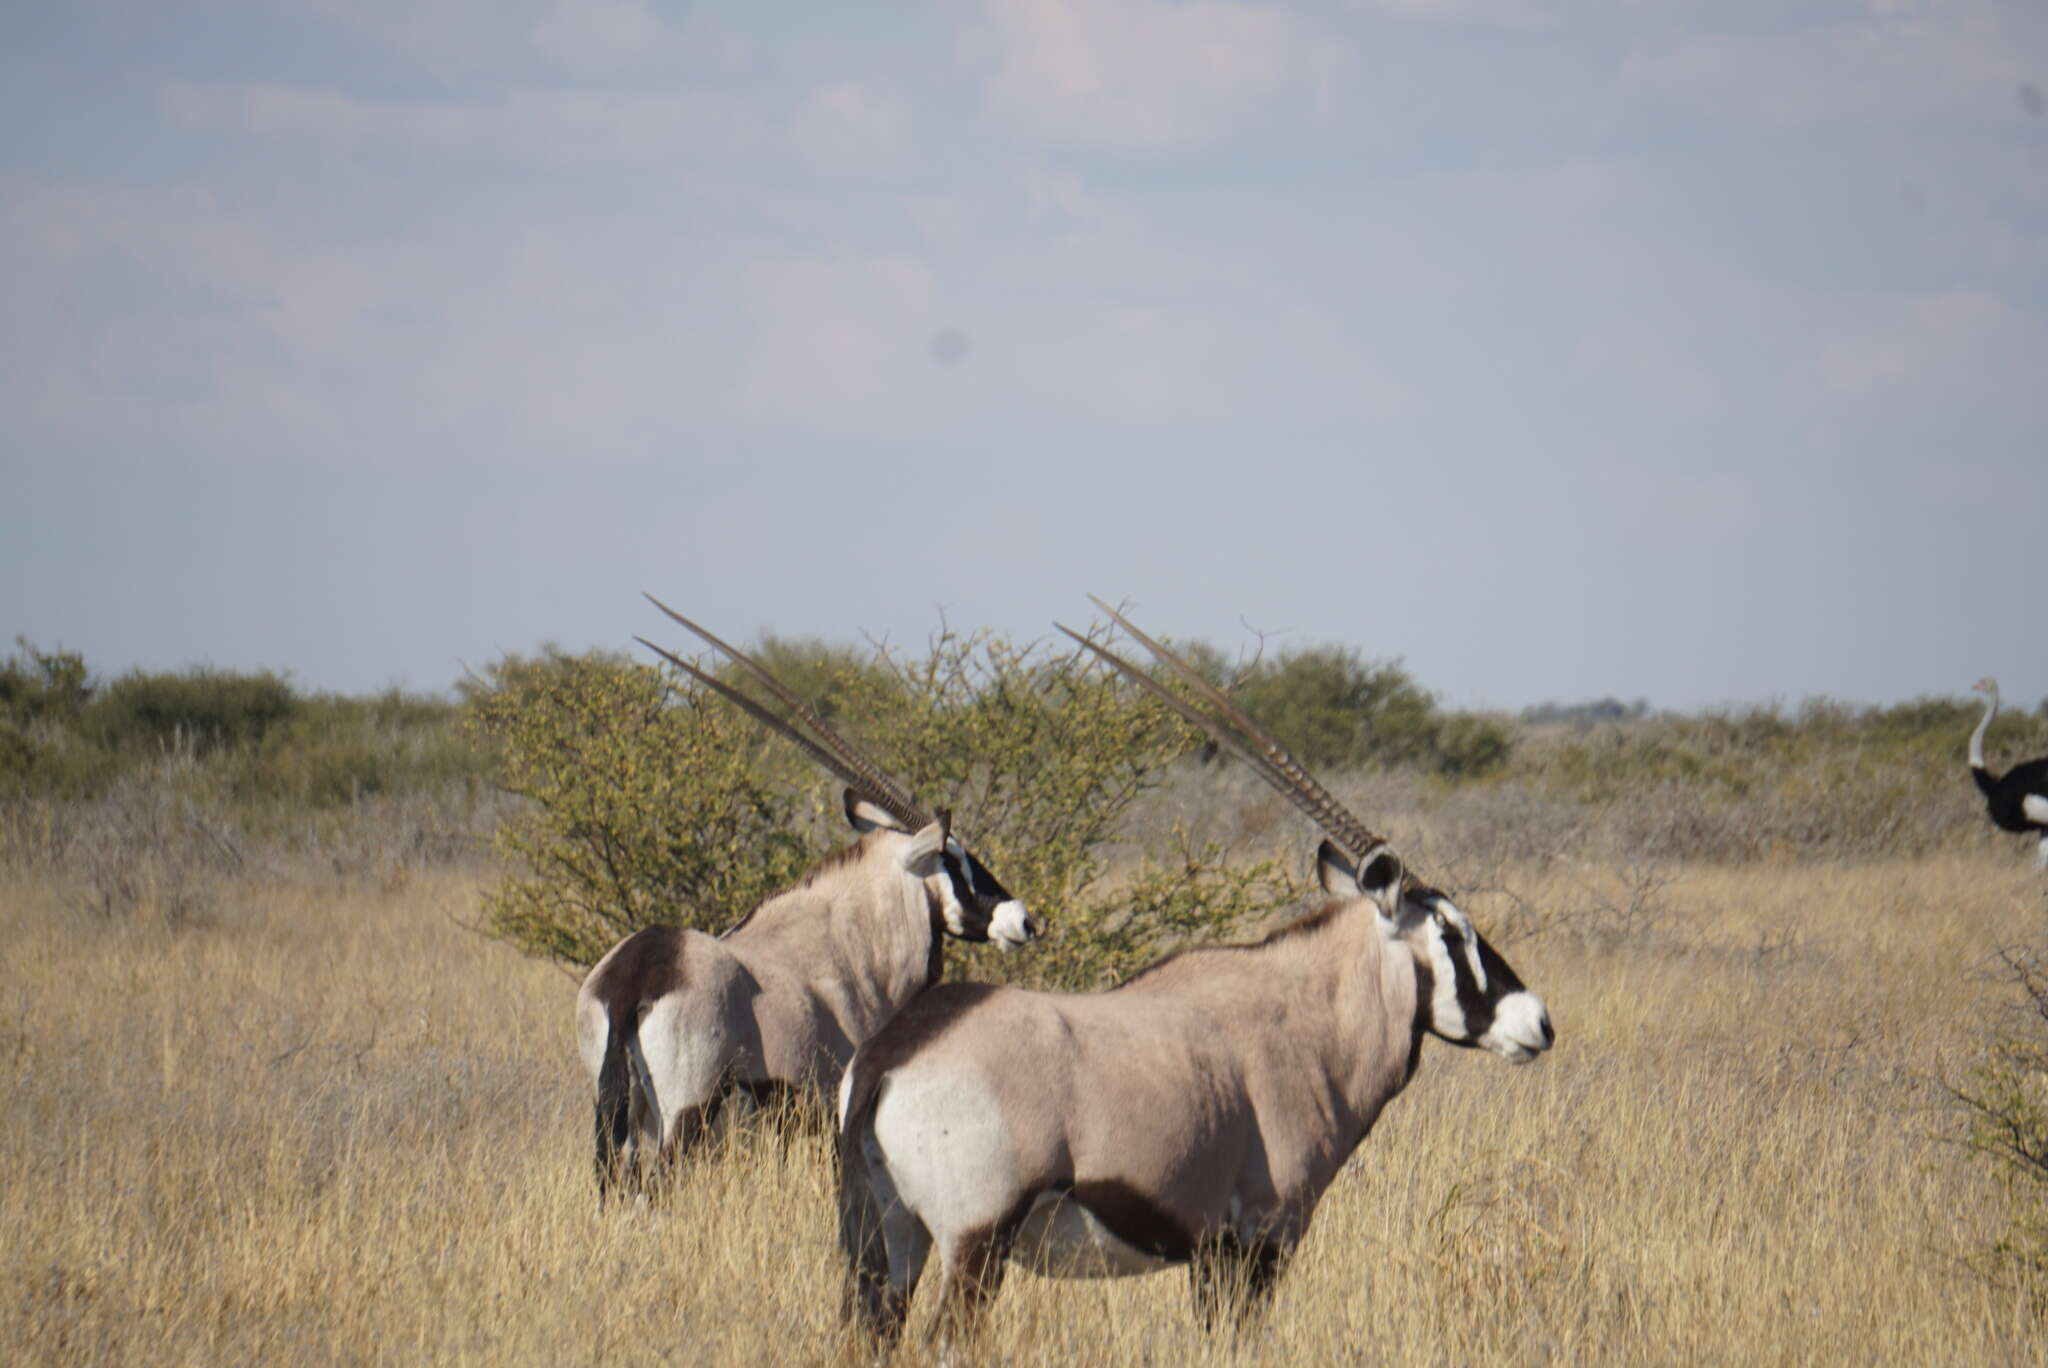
(1339, 990)
(858, 918)
(1381, 1016)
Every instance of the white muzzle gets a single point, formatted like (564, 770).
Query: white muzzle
(1521, 1028)
(1011, 926)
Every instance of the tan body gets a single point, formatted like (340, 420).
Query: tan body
(1264, 1094)
(1193, 1115)
(673, 1023)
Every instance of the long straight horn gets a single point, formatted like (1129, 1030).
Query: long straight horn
(883, 789)
(823, 758)
(1333, 820)
(1224, 737)
(1273, 761)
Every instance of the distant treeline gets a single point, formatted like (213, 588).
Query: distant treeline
(1609, 709)
(65, 733)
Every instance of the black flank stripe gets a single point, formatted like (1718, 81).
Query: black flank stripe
(1135, 1219)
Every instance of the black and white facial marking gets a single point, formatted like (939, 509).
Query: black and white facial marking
(978, 908)
(971, 904)
(1474, 996)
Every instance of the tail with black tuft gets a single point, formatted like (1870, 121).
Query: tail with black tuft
(614, 1106)
(867, 1298)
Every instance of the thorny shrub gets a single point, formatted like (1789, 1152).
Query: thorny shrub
(654, 800)
(646, 805)
(1332, 707)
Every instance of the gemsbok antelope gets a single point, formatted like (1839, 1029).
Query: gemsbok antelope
(1192, 1115)
(672, 1023)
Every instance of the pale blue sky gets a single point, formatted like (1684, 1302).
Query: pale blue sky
(1696, 351)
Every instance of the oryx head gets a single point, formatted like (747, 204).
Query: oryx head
(1465, 992)
(969, 901)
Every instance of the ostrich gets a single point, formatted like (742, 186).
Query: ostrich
(2017, 799)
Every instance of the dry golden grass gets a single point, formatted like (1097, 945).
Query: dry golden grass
(334, 1126)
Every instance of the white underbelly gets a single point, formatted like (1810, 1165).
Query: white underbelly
(1060, 1238)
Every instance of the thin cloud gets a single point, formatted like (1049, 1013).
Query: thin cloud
(1894, 63)
(854, 130)
(1930, 350)
(548, 263)
(1511, 13)
(1140, 76)
(602, 35)
(559, 129)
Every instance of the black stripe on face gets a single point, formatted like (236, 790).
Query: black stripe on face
(986, 889)
(974, 914)
(1474, 1001)
(1500, 979)
(1475, 1004)
(957, 883)
(974, 888)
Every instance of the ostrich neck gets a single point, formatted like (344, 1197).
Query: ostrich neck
(1983, 725)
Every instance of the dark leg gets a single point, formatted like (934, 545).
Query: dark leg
(613, 1120)
(789, 1112)
(973, 1275)
(666, 1163)
(693, 1124)
(628, 1133)
(884, 1242)
(611, 1160)
(1233, 1280)
(866, 1295)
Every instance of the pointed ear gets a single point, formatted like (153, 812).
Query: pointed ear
(924, 854)
(1335, 872)
(866, 816)
(1379, 878)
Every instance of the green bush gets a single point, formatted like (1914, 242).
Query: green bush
(648, 804)
(1465, 746)
(201, 709)
(1331, 707)
(36, 686)
(1041, 753)
(41, 695)
(655, 801)
(1821, 776)
(249, 739)
(1186, 895)
(334, 751)
(1335, 709)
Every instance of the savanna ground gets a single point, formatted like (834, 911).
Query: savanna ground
(326, 1121)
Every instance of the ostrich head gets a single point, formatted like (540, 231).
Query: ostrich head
(1986, 685)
